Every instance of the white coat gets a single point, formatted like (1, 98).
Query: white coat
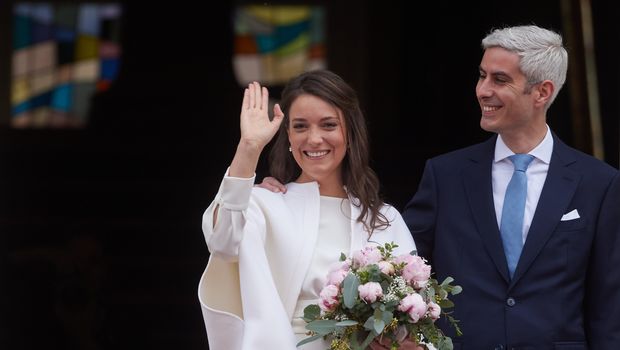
(261, 248)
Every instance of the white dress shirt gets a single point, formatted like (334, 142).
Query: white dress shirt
(536, 173)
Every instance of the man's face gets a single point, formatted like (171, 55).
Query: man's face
(504, 95)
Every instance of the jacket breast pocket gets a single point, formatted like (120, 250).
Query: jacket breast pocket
(570, 345)
(572, 225)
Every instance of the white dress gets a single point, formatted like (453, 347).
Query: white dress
(260, 252)
(334, 238)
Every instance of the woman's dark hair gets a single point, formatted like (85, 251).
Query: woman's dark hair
(360, 180)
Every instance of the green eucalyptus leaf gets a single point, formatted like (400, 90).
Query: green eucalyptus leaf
(322, 327)
(349, 291)
(346, 323)
(447, 281)
(378, 326)
(456, 290)
(309, 339)
(375, 322)
(446, 303)
(387, 316)
(445, 343)
(312, 312)
(370, 323)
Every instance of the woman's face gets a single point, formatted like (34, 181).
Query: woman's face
(317, 134)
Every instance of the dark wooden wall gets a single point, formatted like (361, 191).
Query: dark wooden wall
(100, 228)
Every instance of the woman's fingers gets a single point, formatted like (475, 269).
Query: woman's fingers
(278, 115)
(273, 185)
(277, 111)
(257, 95)
(265, 99)
(251, 95)
(246, 100)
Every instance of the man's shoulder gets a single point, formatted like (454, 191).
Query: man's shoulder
(576, 159)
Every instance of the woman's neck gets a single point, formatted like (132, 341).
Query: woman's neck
(332, 191)
(332, 187)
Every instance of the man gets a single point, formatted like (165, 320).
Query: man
(555, 282)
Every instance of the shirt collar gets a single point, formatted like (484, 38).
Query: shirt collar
(542, 152)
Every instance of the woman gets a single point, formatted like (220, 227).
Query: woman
(270, 252)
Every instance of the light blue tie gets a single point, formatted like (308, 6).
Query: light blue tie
(511, 227)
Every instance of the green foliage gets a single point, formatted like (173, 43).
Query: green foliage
(312, 312)
(322, 327)
(354, 323)
(349, 291)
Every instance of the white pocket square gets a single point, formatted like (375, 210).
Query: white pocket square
(572, 215)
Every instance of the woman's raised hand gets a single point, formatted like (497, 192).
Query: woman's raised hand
(256, 128)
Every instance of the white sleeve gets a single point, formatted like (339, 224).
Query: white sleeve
(233, 203)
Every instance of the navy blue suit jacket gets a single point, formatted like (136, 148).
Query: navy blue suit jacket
(565, 293)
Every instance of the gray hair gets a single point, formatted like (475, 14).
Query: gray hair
(542, 56)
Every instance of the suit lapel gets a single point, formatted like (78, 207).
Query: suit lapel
(477, 182)
(559, 187)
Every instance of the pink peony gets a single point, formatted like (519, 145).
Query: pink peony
(368, 255)
(337, 272)
(416, 271)
(414, 305)
(386, 267)
(370, 292)
(328, 298)
(434, 310)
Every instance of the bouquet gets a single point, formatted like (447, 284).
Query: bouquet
(375, 295)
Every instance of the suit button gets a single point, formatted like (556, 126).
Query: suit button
(510, 301)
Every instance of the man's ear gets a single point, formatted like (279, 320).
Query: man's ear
(544, 91)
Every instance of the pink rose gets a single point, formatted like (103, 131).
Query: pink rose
(328, 298)
(386, 267)
(416, 271)
(414, 305)
(368, 255)
(434, 310)
(370, 291)
(337, 272)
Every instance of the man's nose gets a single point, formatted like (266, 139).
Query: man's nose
(483, 89)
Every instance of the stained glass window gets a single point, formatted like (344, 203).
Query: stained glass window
(275, 43)
(62, 55)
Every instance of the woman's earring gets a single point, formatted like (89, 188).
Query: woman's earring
(290, 149)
